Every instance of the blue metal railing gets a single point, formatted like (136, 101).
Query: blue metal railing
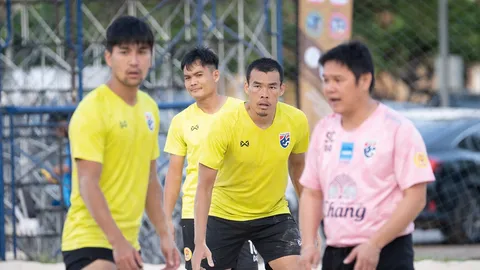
(11, 112)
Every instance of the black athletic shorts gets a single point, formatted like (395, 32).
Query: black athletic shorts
(247, 258)
(79, 258)
(398, 255)
(274, 237)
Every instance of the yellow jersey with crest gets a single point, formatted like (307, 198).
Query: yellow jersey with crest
(252, 162)
(124, 139)
(186, 134)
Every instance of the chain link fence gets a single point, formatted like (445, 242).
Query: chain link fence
(404, 38)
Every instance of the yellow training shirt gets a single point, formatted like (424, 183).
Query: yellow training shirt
(186, 134)
(252, 163)
(124, 139)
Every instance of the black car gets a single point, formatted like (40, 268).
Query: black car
(452, 138)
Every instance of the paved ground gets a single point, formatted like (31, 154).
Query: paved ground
(447, 252)
(428, 246)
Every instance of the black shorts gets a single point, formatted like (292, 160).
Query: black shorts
(274, 237)
(397, 255)
(79, 258)
(247, 258)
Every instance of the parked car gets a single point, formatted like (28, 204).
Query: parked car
(457, 100)
(452, 138)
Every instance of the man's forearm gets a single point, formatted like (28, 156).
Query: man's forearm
(98, 208)
(173, 184)
(203, 199)
(310, 220)
(154, 207)
(295, 171)
(406, 211)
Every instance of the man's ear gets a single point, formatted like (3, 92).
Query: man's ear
(245, 87)
(365, 81)
(282, 89)
(216, 75)
(108, 57)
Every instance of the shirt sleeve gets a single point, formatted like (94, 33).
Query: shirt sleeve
(156, 147)
(216, 143)
(412, 165)
(175, 143)
(301, 145)
(87, 134)
(311, 173)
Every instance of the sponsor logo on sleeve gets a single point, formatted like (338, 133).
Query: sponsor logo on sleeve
(421, 160)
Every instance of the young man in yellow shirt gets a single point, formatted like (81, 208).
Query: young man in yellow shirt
(186, 134)
(243, 173)
(114, 145)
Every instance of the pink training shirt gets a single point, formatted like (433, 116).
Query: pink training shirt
(362, 173)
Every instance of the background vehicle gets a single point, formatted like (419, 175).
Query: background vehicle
(452, 138)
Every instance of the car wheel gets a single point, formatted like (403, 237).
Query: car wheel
(466, 223)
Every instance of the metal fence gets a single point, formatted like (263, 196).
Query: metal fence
(422, 49)
(35, 148)
(59, 45)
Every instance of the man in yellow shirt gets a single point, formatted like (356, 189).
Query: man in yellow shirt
(186, 134)
(243, 173)
(114, 144)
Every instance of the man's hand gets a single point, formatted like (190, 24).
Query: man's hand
(310, 257)
(170, 251)
(201, 252)
(366, 255)
(125, 256)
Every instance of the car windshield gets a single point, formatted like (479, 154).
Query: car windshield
(432, 131)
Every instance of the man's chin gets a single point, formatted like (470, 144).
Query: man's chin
(262, 114)
(132, 84)
(197, 94)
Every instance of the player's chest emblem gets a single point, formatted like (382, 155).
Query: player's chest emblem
(284, 139)
(369, 149)
(150, 121)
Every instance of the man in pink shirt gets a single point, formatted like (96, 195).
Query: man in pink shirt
(366, 167)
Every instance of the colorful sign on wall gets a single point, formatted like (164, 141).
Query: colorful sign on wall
(322, 24)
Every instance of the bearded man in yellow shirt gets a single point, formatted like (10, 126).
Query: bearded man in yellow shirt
(114, 145)
(243, 173)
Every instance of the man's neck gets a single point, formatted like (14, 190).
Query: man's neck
(261, 121)
(355, 118)
(128, 94)
(212, 104)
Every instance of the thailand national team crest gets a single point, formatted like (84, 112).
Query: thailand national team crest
(369, 149)
(150, 120)
(284, 139)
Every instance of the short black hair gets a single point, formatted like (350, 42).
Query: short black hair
(356, 56)
(265, 65)
(58, 117)
(128, 30)
(204, 55)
